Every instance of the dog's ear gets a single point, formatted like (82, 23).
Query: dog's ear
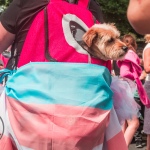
(89, 36)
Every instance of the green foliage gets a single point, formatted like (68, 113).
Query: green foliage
(4, 4)
(115, 12)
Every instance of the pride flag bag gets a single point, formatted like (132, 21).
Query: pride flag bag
(59, 106)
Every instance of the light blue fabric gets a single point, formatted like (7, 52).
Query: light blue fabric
(75, 84)
(4, 73)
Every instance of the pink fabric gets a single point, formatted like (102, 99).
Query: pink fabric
(67, 128)
(4, 60)
(142, 93)
(47, 125)
(132, 70)
(125, 70)
(6, 143)
(60, 48)
(125, 66)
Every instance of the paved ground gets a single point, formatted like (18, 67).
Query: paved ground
(132, 146)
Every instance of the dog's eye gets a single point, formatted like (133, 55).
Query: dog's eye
(110, 40)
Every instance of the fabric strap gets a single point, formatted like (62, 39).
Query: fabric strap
(141, 91)
(47, 54)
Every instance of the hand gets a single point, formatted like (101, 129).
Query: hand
(1, 67)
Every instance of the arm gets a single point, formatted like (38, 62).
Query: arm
(125, 70)
(139, 16)
(147, 60)
(143, 75)
(9, 24)
(6, 38)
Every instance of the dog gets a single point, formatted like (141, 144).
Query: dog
(102, 41)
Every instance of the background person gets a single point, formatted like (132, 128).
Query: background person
(126, 72)
(139, 135)
(146, 59)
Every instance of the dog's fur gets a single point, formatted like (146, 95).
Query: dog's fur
(103, 42)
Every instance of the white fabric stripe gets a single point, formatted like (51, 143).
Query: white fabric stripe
(67, 33)
(25, 148)
(13, 137)
(114, 126)
(99, 147)
(10, 131)
(3, 113)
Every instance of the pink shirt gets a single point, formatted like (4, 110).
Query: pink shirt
(131, 69)
(125, 65)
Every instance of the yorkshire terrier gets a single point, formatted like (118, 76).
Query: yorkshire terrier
(102, 41)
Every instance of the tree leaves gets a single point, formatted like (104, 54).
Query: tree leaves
(115, 11)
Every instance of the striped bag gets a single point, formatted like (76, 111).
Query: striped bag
(59, 106)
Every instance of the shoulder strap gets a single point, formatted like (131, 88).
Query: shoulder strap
(84, 3)
(47, 54)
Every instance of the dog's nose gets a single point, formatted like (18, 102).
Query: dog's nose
(125, 48)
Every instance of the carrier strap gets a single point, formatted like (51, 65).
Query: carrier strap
(47, 54)
(83, 3)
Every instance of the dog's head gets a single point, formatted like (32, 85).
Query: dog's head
(103, 42)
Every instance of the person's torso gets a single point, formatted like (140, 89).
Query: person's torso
(148, 75)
